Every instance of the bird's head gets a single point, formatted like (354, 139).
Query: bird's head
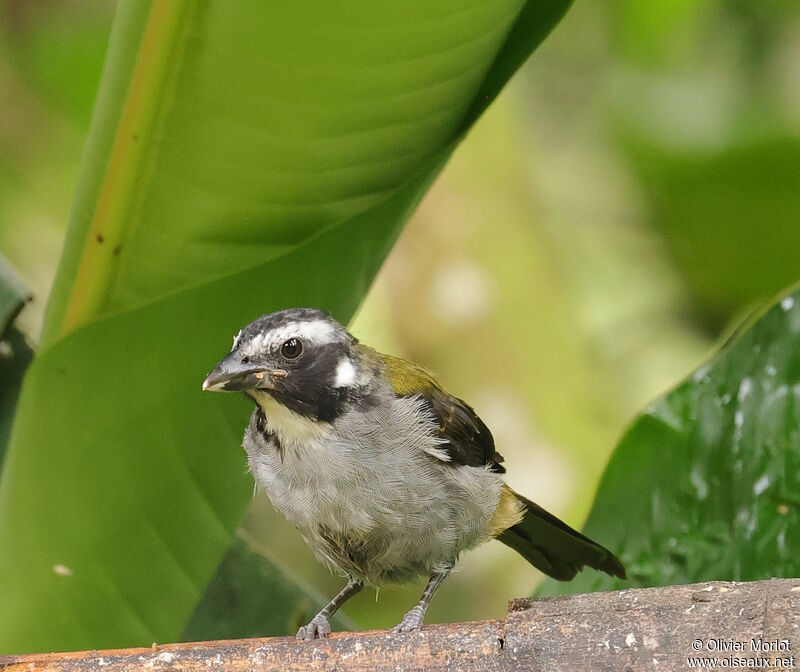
(300, 358)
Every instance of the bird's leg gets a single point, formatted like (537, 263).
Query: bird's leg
(413, 619)
(320, 625)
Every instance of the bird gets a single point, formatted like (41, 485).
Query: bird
(386, 475)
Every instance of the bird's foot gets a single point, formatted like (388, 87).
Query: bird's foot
(319, 626)
(411, 621)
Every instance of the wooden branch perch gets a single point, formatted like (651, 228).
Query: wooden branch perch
(646, 629)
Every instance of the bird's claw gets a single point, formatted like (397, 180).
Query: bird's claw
(319, 626)
(411, 621)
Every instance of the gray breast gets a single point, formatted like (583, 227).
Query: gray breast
(371, 492)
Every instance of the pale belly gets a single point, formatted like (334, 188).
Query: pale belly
(382, 513)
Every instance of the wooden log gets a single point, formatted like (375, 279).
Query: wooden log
(738, 625)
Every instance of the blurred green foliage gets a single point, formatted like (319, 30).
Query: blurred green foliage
(704, 485)
(708, 120)
(58, 59)
(730, 219)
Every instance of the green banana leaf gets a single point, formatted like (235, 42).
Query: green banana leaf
(704, 485)
(249, 596)
(243, 157)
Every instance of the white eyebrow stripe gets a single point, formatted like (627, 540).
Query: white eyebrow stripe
(254, 345)
(315, 332)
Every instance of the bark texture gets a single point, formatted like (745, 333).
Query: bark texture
(644, 629)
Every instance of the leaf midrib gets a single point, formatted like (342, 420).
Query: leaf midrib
(163, 38)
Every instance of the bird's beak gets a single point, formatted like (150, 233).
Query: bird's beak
(230, 375)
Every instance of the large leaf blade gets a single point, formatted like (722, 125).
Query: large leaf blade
(250, 596)
(247, 128)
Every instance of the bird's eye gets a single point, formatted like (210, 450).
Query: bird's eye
(292, 348)
(245, 360)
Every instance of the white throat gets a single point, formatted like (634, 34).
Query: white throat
(290, 427)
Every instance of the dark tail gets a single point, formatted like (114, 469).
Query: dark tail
(555, 548)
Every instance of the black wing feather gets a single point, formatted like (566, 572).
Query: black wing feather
(467, 440)
(553, 547)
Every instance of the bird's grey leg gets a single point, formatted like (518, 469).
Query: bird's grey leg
(413, 619)
(320, 625)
